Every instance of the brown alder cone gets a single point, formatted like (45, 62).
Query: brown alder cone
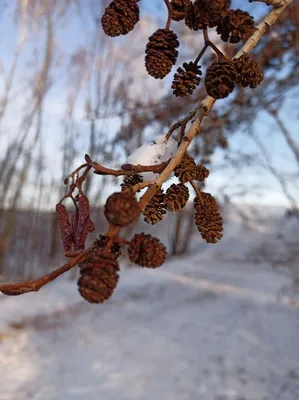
(147, 251)
(131, 180)
(236, 26)
(179, 6)
(207, 218)
(155, 210)
(220, 78)
(186, 170)
(120, 17)
(201, 173)
(176, 197)
(185, 80)
(205, 13)
(161, 53)
(64, 227)
(121, 209)
(99, 277)
(249, 72)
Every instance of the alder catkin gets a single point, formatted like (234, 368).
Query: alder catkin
(64, 226)
(82, 225)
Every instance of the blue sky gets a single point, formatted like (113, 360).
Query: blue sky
(69, 39)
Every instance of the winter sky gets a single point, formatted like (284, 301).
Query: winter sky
(69, 39)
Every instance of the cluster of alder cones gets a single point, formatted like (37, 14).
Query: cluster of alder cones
(122, 208)
(99, 269)
(233, 26)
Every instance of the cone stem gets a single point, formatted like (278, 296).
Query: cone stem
(169, 14)
(202, 52)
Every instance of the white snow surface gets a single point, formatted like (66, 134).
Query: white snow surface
(153, 153)
(198, 328)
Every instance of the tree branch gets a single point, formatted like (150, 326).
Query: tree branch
(15, 289)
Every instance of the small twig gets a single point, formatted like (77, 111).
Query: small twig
(72, 175)
(113, 232)
(76, 182)
(202, 52)
(209, 43)
(168, 23)
(122, 241)
(140, 186)
(178, 124)
(14, 289)
(215, 48)
(127, 169)
(82, 178)
(206, 36)
(198, 193)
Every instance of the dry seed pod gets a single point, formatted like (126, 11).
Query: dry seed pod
(120, 17)
(161, 53)
(249, 72)
(185, 80)
(201, 173)
(236, 26)
(65, 227)
(131, 180)
(186, 170)
(155, 210)
(121, 209)
(220, 78)
(147, 251)
(205, 13)
(179, 6)
(176, 197)
(99, 277)
(207, 218)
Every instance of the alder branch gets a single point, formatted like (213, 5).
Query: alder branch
(126, 169)
(205, 106)
(15, 289)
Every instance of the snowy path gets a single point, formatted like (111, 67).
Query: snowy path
(186, 332)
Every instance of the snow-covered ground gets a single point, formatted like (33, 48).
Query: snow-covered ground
(201, 327)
